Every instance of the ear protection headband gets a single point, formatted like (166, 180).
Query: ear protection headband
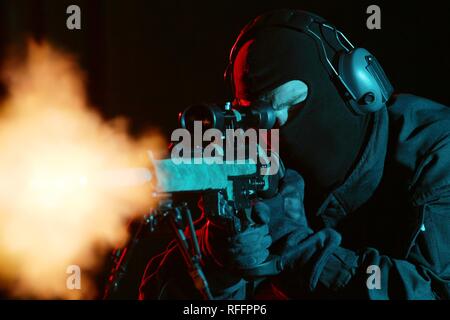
(358, 75)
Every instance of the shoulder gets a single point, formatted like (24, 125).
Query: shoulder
(414, 111)
(420, 140)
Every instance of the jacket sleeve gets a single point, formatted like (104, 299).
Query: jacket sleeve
(423, 274)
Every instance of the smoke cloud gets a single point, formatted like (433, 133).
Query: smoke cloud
(59, 206)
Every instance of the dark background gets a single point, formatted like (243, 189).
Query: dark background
(147, 60)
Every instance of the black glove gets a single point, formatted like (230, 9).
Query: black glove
(251, 247)
(304, 260)
(241, 251)
(287, 214)
(281, 218)
(303, 252)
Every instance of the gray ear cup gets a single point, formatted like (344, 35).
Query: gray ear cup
(359, 76)
(366, 80)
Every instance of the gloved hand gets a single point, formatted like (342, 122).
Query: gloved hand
(251, 247)
(241, 251)
(304, 260)
(303, 252)
(225, 253)
(288, 219)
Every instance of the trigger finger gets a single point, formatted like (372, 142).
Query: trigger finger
(261, 213)
(266, 241)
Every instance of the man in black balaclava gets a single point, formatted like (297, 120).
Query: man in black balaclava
(367, 214)
(324, 127)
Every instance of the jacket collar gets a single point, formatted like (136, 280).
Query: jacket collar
(364, 179)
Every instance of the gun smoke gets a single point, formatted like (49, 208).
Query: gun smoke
(55, 149)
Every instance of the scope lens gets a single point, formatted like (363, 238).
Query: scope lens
(206, 114)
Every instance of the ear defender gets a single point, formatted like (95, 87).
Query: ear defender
(368, 87)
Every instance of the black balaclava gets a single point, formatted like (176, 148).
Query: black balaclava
(322, 139)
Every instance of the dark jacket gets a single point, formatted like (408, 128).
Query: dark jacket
(393, 212)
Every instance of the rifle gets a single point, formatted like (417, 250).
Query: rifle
(228, 188)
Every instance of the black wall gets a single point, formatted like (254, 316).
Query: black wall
(149, 59)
